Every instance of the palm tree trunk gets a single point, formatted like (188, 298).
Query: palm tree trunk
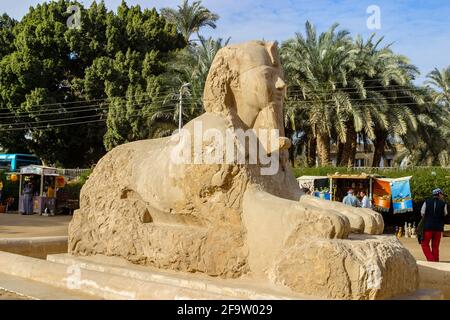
(379, 145)
(292, 150)
(351, 159)
(311, 152)
(349, 149)
(323, 149)
(340, 150)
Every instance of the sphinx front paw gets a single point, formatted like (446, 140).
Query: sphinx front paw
(362, 267)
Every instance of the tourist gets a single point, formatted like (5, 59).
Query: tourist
(28, 198)
(365, 202)
(350, 199)
(433, 212)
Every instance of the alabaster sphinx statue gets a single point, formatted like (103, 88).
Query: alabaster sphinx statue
(231, 218)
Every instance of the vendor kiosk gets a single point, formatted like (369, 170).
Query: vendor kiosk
(317, 186)
(341, 183)
(43, 181)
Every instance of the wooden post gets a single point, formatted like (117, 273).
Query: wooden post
(331, 189)
(42, 183)
(20, 185)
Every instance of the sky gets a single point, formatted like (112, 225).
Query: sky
(418, 29)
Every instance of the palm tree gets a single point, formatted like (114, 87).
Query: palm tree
(441, 81)
(316, 66)
(342, 89)
(389, 99)
(190, 18)
(190, 65)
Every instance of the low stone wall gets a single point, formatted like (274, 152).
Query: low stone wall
(37, 247)
(435, 275)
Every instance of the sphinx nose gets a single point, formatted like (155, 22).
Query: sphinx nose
(280, 84)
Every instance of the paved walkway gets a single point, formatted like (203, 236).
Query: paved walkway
(416, 250)
(21, 226)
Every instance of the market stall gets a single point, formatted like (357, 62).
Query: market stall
(37, 189)
(315, 185)
(341, 183)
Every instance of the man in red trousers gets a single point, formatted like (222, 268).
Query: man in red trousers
(434, 211)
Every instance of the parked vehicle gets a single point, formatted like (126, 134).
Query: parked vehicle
(13, 162)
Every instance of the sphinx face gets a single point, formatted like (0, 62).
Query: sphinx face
(261, 87)
(261, 93)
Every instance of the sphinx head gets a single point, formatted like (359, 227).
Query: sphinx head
(247, 81)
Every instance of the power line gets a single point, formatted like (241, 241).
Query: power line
(96, 107)
(53, 126)
(173, 108)
(70, 110)
(362, 100)
(164, 95)
(99, 107)
(166, 98)
(354, 90)
(150, 100)
(367, 80)
(68, 124)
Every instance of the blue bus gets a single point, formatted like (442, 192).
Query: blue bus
(13, 162)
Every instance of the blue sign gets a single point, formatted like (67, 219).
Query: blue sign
(401, 195)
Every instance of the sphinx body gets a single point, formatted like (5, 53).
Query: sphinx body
(228, 218)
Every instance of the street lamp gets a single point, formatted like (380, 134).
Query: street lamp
(180, 114)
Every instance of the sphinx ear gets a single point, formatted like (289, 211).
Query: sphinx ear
(272, 49)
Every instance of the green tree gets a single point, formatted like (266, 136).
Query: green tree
(440, 80)
(6, 35)
(189, 18)
(189, 66)
(104, 75)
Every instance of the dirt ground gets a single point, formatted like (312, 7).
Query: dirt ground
(22, 226)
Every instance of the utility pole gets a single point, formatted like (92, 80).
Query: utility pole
(180, 112)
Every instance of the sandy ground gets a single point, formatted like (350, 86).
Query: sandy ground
(21, 226)
(416, 250)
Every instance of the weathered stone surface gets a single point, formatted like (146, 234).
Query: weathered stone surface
(362, 267)
(228, 219)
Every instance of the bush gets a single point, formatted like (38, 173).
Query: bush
(73, 188)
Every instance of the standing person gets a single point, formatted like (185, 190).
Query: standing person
(434, 211)
(365, 202)
(28, 198)
(350, 199)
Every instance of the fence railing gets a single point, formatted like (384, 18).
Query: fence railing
(72, 173)
(376, 169)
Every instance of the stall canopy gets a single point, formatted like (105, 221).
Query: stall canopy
(395, 191)
(39, 170)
